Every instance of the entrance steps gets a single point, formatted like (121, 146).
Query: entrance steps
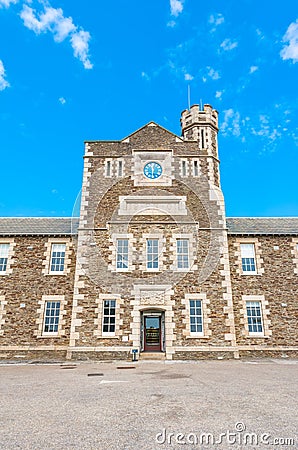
(156, 356)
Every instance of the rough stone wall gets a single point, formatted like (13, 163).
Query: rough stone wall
(23, 289)
(278, 283)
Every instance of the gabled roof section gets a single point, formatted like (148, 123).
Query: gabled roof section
(52, 226)
(152, 124)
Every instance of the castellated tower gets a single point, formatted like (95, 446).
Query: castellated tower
(152, 270)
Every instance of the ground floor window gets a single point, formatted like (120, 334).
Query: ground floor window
(196, 316)
(51, 317)
(254, 317)
(109, 316)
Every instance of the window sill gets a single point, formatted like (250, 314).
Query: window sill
(259, 336)
(46, 336)
(55, 273)
(197, 336)
(251, 273)
(106, 336)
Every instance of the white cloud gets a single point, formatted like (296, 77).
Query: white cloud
(290, 50)
(3, 82)
(171, 24)
(253, 69)
(218, 94)
(62, 100)
(228, 45)
(80, 44)
(216, 20)
(53, 20)
(231, 123)
(7, 3)
(145, 76)
(213, 74)
(188, 77)
(176, 7)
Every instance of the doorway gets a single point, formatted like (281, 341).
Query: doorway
(152, 333)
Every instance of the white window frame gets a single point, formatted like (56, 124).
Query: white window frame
(99, 311)
(206, 320)
(256, 318)
(294, 252)
(10, 254)
(114, 251)
(4, 255)
(248, 252)
(154, 258)
(109, 316)
(265, 313)
(259, 262)
(47, 262)
(120, 255)
(61, 258)
(3, 304)
(183, 254)
(55, 316)
(198, 304)
(41, 311)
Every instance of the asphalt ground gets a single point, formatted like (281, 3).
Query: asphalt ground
(150, 405)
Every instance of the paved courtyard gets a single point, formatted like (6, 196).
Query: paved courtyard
(150, 405)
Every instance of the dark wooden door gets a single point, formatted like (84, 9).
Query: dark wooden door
(152, 334)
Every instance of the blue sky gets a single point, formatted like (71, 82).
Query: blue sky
(72, 71)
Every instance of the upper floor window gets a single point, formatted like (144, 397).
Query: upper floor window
(4, 251)
(195, 168)
(109, 317)
(196, 316)
(57, 258)
(152, 253)
(120, 168)
(184, 168)
(108, 167)
(248, 258)
(122, 254)
(51, 317)
(182, 253)
(254, 317)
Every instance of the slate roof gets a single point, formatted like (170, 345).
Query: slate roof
(262, 225)
(56, 226)
(53, 226)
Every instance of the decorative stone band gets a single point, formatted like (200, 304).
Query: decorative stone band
(118, 321)
(47, 254)
(3, 303)
(11, 254)
(264, 311)
(41, 312)
(258, 254)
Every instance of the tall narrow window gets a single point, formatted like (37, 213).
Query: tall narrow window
(57, 258)
(182, 253)
(108, 168)
(202, 139)
(254, 317)
(195, 168)
(120, 168)
(183, 168)
(196, 316)
(248, 258)
(51, 317)
(109, 316)
(152, 253)
(122, 253)
(4, 249)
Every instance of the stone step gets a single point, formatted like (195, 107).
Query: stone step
(152, 356)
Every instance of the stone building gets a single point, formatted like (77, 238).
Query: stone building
(152, 263)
